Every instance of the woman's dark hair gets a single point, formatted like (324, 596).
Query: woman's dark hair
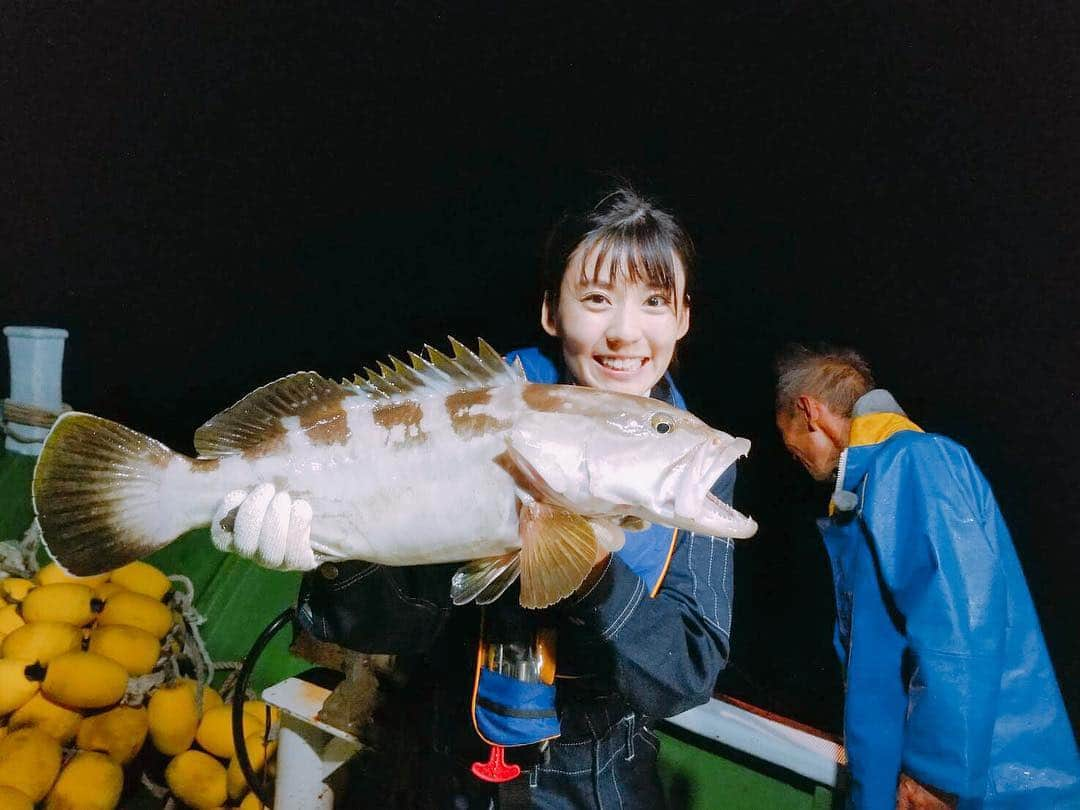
(627, 231)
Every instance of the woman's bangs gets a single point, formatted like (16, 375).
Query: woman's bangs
(630, 259)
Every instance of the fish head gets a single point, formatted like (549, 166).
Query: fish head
(607, 454)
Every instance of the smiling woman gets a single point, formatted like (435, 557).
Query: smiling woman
(617, 297)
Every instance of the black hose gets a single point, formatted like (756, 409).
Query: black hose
(257, 785)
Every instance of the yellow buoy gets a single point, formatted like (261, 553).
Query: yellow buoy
(211, 699)
(258, 753)
(91, 781)
(136, 610)
(29, 762)
(251, 802)
(67, 602)
(14, 589)
(59, 722)
(119, 732)
(197, 779)
(135, 650)
(10, 619)
(41, 641)
(19, 681)
(142, 578)
(215, 731)
(12, 799)
(173, 716)
(85, 680)
(54, 573)
(258, 709)
(107, 589)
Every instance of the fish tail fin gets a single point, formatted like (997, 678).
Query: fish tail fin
(99, 491)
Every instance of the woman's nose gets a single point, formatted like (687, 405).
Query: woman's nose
(624, 326)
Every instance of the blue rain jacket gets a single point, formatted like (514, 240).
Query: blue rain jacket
(947, 674)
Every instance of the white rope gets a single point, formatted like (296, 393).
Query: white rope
(156, 790)
(19, 558)
(139, 687)
(192, 619)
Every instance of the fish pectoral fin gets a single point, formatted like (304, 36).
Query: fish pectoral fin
(633, 523)
(484, 580)
(558, 549)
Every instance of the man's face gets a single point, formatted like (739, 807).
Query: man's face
(616, 334)
(808, 444)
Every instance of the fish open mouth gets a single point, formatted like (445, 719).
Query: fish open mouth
(744, 526)
(697, 508)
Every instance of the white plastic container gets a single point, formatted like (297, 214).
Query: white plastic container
(37, 358)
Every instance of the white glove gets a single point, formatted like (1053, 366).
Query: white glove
(266, 526)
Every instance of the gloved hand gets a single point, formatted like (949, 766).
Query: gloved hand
(266, 526)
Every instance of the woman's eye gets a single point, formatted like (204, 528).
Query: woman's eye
(595, 298)
(656, 301)
(662, 423)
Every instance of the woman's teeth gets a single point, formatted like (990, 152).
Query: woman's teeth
(622, 363)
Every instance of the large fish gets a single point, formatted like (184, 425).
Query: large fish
(450, 459)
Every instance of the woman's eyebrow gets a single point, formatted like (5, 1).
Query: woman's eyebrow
(585, 281)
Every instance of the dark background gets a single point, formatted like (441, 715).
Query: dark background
(211, 197)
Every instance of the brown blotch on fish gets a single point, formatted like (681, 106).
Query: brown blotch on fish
(205, 464)
(406, 414)
(545, 398)
(466, 423)
(325, 422)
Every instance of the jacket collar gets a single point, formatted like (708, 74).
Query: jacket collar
(876, 417)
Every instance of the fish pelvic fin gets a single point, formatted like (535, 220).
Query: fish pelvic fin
(558, 549)
(484, 580)
(253, 426)
(98, 491)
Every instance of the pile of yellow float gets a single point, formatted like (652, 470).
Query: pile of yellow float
(86, 681)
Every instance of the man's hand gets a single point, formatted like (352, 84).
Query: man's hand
(266, 526)
(911, 795)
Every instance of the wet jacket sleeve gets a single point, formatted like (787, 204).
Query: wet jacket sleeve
(665, 652)
(375, 608)
(925, 510)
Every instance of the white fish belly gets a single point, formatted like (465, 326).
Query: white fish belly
(400, 503)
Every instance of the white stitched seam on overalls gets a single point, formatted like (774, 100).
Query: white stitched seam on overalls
(635, 599)
(359, 575)
(716, 615)
(587, 770)
(693, 573)
(615, 782)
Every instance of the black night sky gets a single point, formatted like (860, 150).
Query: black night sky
(211, 196)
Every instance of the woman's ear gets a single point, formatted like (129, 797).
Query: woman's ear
(548, 319)
(684, 320)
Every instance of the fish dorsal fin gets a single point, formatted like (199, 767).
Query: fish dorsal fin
(558, 549)
(255, 420)
(439, 373)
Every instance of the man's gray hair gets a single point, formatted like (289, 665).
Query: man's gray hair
(836, 375)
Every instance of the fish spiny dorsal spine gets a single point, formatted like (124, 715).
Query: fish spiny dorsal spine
(438, 372)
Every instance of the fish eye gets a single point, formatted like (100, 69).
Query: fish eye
(662, 423)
